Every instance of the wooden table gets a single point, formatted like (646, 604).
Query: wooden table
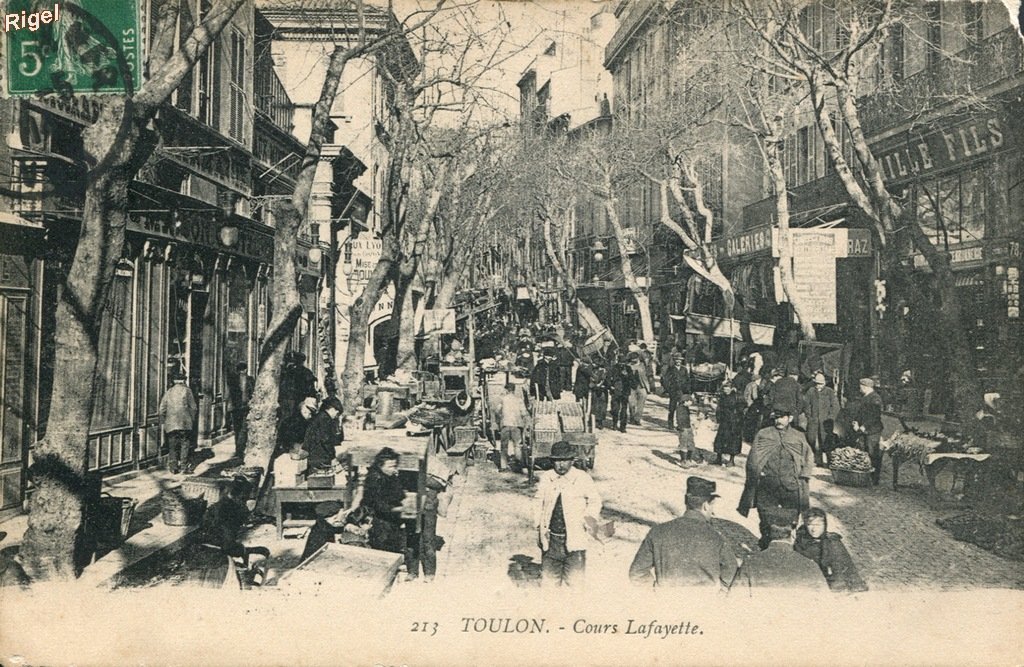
(354, 570)
(305, 496)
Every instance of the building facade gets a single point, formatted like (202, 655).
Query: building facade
(191, 289)
(345, 211)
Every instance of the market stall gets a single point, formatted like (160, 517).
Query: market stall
(936, 455)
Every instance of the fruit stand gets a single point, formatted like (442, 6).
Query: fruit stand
(933, 452)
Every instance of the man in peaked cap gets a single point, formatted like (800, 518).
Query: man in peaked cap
(686, 551)
(566, 497)
(867, 421)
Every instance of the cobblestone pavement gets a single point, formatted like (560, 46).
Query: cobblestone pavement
(892, 535)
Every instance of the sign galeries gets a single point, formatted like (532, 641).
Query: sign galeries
(83, 47)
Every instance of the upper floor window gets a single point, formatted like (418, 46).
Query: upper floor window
(236, 100)
(974, 26)
(933, 33)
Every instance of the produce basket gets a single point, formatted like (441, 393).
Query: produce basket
(465, 435)
(179, 511)
(109, 518)
(844, 477)
(546, 436)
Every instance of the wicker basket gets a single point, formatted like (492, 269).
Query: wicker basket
(179, 511)
(109, 518)
(851, 477)
(465, 435)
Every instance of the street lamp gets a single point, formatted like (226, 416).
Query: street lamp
(598, 249)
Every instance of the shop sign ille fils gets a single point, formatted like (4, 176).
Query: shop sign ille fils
(86, 47)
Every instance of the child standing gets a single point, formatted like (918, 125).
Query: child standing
(687, 450)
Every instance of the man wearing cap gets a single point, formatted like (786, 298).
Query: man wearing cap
(778, 565)
(323, 435)
(178, 416)
(778, 469)
(566, 497)
(686, 551)
(821, 407)
(867, 421)
(545, 379)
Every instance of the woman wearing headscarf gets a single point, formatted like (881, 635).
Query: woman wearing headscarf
(827, 550)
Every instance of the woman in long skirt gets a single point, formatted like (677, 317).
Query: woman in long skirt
(730, 414)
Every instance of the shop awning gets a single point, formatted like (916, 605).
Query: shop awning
(720, 327)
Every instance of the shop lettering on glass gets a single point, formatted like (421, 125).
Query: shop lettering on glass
(942, 148)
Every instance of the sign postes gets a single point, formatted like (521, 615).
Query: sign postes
(82, 47)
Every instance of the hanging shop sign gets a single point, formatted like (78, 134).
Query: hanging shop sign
(759, 240)
(437, 321)
(87, 47)
(975, 254)
(813, 254)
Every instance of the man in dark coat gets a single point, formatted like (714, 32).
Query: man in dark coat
(821, 407)
(778, 565)
(581, 387)
(324, 435)
(778, 469)
(621, 384)
(867, 421)
(787, 396)
(545, 379)
(686, 551)
(675, 381)
(564, 360)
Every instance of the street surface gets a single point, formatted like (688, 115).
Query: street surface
(892, 536)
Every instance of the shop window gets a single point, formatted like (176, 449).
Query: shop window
(112, 387)
(952, 209)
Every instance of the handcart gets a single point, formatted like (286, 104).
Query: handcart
(551, 421)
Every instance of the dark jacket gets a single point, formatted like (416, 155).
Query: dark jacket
(322, 436)
(292, 431)
(684, 552)
(729, 438)
(222, 525)
(675, 380)
(382, 493)
(581, 388)
(821, 408)
(766, 442)
(622, 380)
(779, 566)
(787, 395)
(830, 554)
(869, 413)
(546, 380)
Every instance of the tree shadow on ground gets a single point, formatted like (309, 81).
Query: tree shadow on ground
(619, 515)
(670, 457)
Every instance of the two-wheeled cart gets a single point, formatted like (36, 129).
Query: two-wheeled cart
(552, 421)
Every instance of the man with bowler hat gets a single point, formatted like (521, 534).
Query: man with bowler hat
(686, 551)
(566, 497)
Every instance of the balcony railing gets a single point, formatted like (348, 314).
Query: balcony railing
(272, 99)
(952, 79)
